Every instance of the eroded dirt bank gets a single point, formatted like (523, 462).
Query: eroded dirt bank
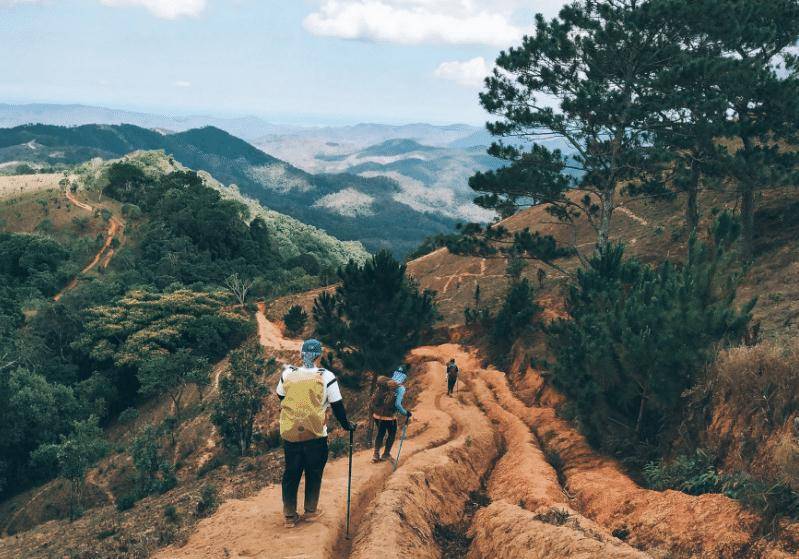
(431, 488)
(668, 523)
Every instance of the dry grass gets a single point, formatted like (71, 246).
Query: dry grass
(16, 185)
(763, 380)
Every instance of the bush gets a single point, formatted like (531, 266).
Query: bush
(129, 415)
(636, 340)
(295, 320)
(338, 447)
(514, 319)
(171, 513)
(693, 474)
(209, 501)
(127, 501)
(762, 380)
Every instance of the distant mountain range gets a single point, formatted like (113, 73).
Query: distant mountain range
(431, 179)
(249, 128)
(347, 206)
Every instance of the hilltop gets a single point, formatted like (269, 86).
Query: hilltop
(347, 206)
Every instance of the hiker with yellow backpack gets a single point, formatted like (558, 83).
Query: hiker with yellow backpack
(386, 403)
(305, 394)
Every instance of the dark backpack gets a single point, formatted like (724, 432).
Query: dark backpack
(452, 370)
(385, 397)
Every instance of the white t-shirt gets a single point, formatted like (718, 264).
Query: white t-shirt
(332, 392)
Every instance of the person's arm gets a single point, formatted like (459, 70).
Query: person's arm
(398, 401)
(337, 402)
(280, 391)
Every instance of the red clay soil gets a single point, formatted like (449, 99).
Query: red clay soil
(505, 531)
(254, 527)
(431, 488)
(669, 522)
(106, 252)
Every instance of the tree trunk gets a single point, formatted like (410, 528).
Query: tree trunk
(747, 221)
(692, 206)
(640, 414)
(605, 214)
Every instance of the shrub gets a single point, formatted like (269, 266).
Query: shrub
(241, 397)
(295, 320)
(129, 415)
(514, 318)
(209, 500)
(693, 474)
(171, 513)
(338, 447)
(762, 380)
(127, 501)
(636, 340)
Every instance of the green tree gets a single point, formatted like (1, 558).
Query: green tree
(728, 102)
(74, 455)
(592, 61)
(514, 319)
(377, 315)
(241, 396)
(154, 473)
(636, 337)
(171, 374)
(295, 320)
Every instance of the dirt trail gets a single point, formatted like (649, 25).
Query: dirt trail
(106, 252)
(550, 496)
(270, 335)
(253, 527)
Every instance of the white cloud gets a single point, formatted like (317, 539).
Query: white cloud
(182, 83)
(469, 73)
(414, 22)
(166, 9)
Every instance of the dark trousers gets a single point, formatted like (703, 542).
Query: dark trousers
(385, 427)
(451, 380)
(307, 457)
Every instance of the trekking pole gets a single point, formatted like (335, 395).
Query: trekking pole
(349, 485)
(402, 439)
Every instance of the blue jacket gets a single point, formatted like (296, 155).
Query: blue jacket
(399, 377)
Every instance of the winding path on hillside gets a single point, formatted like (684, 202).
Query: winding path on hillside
(548, 494)
(103, 256)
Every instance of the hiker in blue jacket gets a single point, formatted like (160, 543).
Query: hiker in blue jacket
(386, 404)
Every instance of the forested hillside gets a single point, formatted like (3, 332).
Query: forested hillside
(347, 206)
(166, 288)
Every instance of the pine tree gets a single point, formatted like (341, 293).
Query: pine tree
(295, 319)
(375, 317)
(637, 337)
(592, 62)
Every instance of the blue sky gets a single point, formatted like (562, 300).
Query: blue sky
(292, 61)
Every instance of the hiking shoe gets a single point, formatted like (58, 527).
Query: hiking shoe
(376, 458)
(387, 458)
(291, 521)
(311, 516)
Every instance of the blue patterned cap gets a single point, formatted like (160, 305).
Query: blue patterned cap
(312, 346)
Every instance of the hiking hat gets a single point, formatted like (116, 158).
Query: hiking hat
(311, 350)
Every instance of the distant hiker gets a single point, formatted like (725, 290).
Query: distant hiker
(452, 376)
(386, 403)
(305, 394)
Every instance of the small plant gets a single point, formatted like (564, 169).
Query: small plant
(106, 533)
(338, 447)
(209, 501)
(171, 513)
(129, 415)
(126, 502)
(295, 320)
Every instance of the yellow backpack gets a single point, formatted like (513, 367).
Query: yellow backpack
(302, 417)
